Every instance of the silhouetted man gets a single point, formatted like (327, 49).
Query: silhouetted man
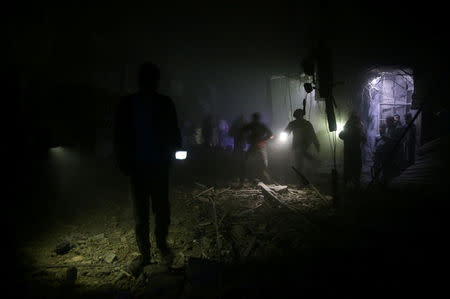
(390, 157)
(236, 132)
(239, 144)
(353, 135)
(303, 136)
(146, 136)
(257, 135)
(410, 140)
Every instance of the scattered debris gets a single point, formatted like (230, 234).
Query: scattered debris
(77, 258)
(208, 224)
(63, 247)
(203, 192)
(279, 188)
(110, 257)
(98, 237)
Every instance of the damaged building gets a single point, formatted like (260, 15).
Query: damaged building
(74, 223)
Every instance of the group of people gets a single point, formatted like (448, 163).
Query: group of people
(393, 154)
(147, 135)
(215, 132)
(256, 134)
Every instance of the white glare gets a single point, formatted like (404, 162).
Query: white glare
(181, 155)
(340, 127)
(374, 81)
(283, 137)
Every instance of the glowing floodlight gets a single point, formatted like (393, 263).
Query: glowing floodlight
(283, 136)
(340, 127)
(374, 81)
(181, 155)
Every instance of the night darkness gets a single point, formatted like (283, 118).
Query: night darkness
(100, 96)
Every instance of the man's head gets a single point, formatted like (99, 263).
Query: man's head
(396, 118)
(408, 117)
(298, 113)
(256, 117)
(148, 77)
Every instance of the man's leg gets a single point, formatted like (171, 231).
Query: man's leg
(265, 166)
(140, 196)
(242, 160)
(161, 207)
(247, 169)
(299, 164)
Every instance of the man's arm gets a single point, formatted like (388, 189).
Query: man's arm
(314, 138)
(288, 128)
(269, 133)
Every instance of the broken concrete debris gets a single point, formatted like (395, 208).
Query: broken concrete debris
(63, 247)
(98, 237)
(208, 223)
(110, 257)
(76, 258)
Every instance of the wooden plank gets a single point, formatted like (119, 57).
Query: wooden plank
(218, 240)
(279, 188)
(203, 192)
(223, 191)
(269, 194)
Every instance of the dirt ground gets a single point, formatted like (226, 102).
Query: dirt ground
(226, 225)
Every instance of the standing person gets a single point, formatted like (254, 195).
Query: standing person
(223, 129)
(410, 140)
(303, 136)
(208, 131)
(393, 156)
(258, 134)
(401, 155)
(236, 132)
(239, 144)
(397, 121)
(353, 135)
(146, 136)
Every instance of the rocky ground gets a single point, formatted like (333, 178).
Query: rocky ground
(225, 225)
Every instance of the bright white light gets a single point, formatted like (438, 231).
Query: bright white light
(181, 155)
(340, 127)
(283, 136)
(374, 81)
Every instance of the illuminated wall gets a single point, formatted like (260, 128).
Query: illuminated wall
(387, 92)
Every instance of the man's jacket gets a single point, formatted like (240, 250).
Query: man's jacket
(157, 128)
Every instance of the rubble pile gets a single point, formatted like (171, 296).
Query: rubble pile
(254, 221)
(226, 225)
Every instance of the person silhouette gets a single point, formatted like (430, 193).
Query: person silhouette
(146, 136)
(257, 134)
(303, 136)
